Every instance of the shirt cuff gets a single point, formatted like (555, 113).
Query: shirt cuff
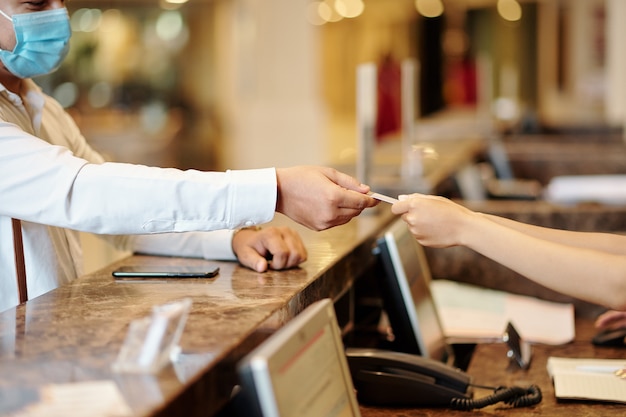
(254, 198)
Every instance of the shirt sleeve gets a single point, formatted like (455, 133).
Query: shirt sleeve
(48, 184)
(214, 245)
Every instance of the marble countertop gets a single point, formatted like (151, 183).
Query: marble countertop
(74, 333)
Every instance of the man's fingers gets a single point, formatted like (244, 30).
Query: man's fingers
(272, 247)
(249, 257)
(286, 248)
(346, 181)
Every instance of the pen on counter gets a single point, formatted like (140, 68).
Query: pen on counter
(619, 371)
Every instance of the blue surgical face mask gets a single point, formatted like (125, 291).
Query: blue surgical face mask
(42, 42)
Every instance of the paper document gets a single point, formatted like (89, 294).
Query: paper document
(80, 399)
(471, 313)
(587, 379)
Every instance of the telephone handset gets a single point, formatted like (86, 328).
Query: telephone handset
(400, 379)
(387, 378)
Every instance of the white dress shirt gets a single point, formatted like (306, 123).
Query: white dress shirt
(52, 180)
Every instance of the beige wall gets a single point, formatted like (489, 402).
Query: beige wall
(584, 62)
(269, 88)
(616, 62)
(285, 87)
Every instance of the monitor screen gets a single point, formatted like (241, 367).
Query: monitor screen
(301, 370)
(407, 299)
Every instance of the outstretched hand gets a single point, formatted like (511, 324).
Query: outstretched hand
(434, 221)
(320, 197)
(254, 248)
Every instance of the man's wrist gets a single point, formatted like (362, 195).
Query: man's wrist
(232, 240)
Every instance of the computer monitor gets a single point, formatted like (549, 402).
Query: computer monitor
(301, 370)
(407, 300)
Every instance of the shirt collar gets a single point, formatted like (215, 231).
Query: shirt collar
(31, 99)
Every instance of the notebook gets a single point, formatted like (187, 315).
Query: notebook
(588, 378)
(301, 370)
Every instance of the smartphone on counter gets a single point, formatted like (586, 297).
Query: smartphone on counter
(169, 271)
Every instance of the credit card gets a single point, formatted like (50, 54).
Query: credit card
(383, 197)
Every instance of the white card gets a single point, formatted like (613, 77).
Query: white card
(383, 197)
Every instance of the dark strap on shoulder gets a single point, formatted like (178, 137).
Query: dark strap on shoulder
(20, 266)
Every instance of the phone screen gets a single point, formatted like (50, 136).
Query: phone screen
(169, 271)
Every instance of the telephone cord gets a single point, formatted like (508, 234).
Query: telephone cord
(513, 396)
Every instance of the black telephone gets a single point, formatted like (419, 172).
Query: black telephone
(384, 377)
(387, 378)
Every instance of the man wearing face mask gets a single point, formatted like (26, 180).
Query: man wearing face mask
(53, 184)
(41, 42)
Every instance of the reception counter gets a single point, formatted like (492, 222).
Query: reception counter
(74, 333)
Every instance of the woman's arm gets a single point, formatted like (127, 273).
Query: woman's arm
(606, 242)
(577, 269)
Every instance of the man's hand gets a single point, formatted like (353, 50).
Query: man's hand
(320, 197)
(282, 245)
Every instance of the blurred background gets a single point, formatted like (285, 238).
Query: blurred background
(219, 84)
(236, 84)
